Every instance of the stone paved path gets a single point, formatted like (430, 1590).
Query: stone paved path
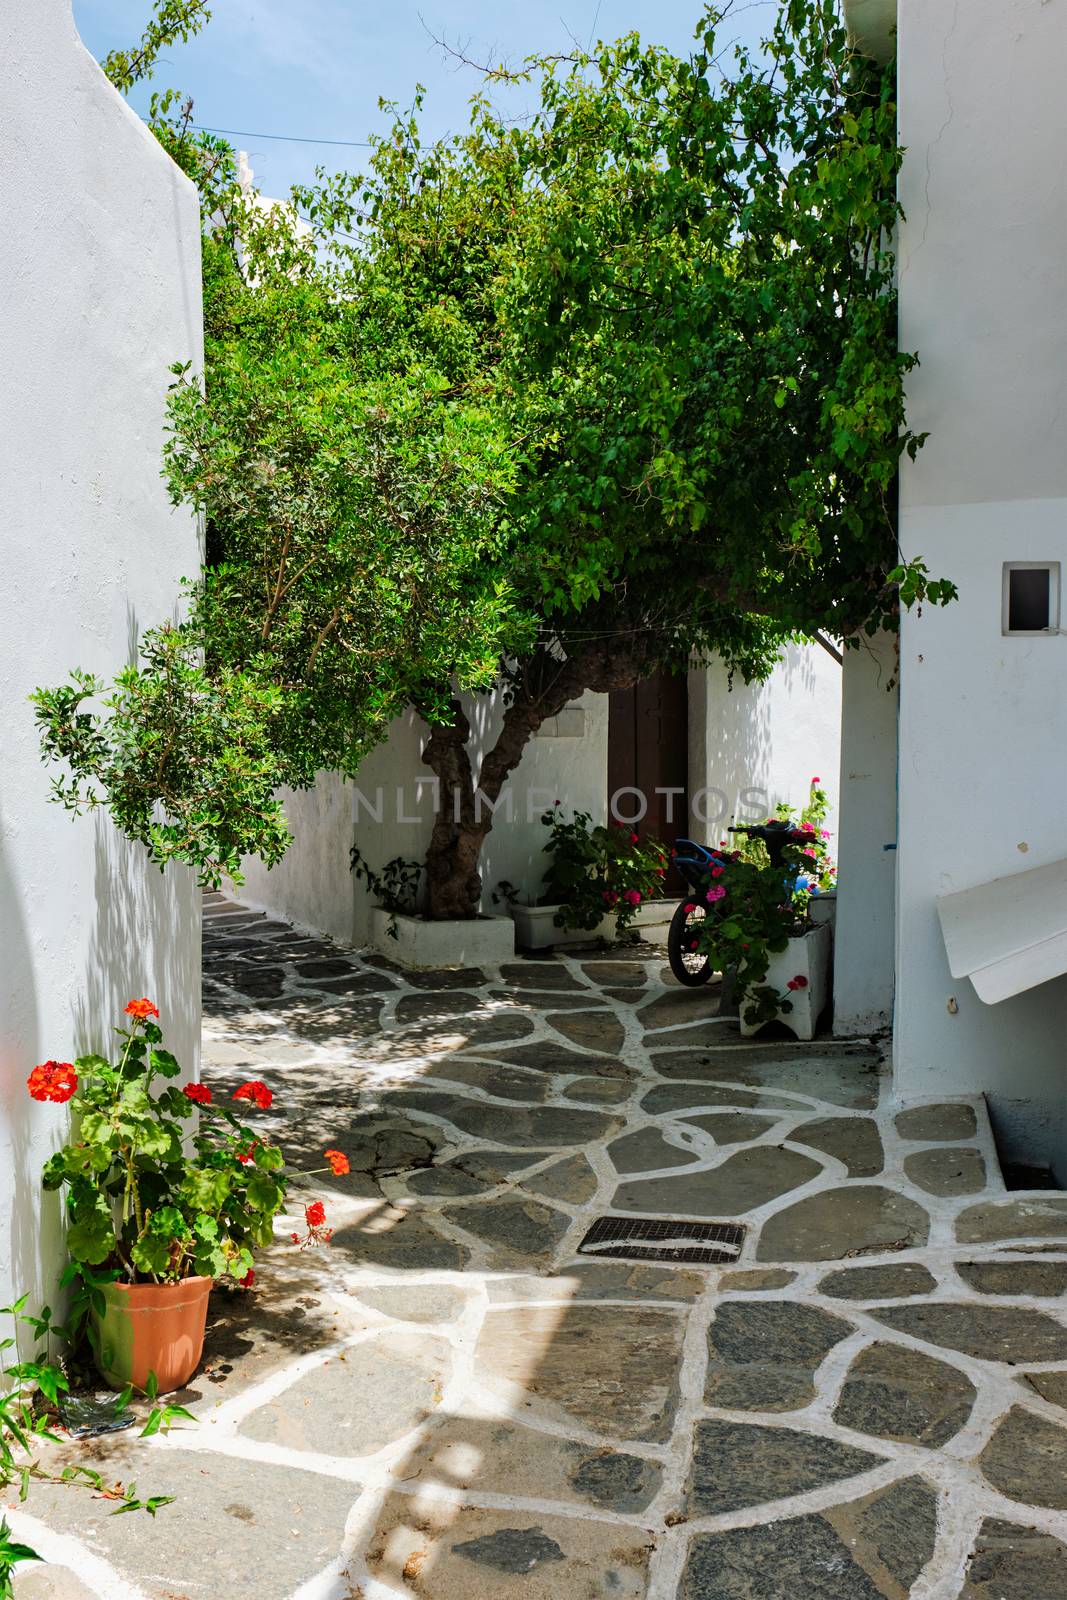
(450, 1402)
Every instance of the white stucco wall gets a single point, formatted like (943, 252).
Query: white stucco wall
(100, 284)
(772, 737)
(312, 884)
(864, 948)
(983, 719)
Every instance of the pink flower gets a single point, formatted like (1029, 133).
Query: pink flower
(610, 897)
(816, 779)
(807, 827)
(632, 897)
(824, 833)
(716, 892)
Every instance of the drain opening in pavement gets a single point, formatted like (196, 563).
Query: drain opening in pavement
(656, 1239)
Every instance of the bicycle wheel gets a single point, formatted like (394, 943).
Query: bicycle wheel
(688, 963)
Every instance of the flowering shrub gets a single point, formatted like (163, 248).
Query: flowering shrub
(137, 1203)
(818, 874)
(595, 871)
(751, 909)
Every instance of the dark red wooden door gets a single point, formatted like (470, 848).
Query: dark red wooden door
(648, 756)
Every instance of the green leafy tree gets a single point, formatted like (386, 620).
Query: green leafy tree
(542, 408)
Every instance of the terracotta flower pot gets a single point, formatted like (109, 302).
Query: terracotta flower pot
(151, 1327)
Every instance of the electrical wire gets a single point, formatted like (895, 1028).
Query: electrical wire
(284, 138)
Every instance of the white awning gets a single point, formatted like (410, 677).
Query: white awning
(1008, 935)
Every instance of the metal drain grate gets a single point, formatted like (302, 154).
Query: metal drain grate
(654, 1239)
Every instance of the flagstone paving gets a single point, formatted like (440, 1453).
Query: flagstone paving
(451, 1402)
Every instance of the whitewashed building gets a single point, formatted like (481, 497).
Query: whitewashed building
(974, 795)
(100, 276)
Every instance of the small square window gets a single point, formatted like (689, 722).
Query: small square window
(1031, 598)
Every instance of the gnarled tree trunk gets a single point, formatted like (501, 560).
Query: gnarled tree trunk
(464, 816)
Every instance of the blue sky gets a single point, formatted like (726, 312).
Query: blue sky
(317, 67)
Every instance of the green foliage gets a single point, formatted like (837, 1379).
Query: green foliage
(569, 400)
(172, 22)
(29, 1395)
(595, 872)
(185, 761)
(138, 1205)
(395, 888)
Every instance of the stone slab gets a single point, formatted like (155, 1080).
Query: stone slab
(440, 1552)
(572, 1180)
(591, 1030)
(858, 1220)
(1026, 1459)
(853, 1140)
(946, 1122)
(518, 1231)
(739, 1184)
(232, 1521)
(498, 1458)
(1012, 1562)
(603, 1280)
(950, 1170)
(869, 1549)
(990, 1332)
(1040, 1279)
(893, 1392)
(613, 1369)
(763, 1357)
(358, 1402)
(1044, 1218)
(756, 1278)
(903, 1278)
(741, 1464)
(1051, 1386)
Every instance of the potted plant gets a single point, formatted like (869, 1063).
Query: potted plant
(165, 1193)
(400, 932)
(753, 921)
(600, 882)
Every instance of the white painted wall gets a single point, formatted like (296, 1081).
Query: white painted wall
(864, 949)
(100, 283)
(388, 811)
(983, 719)
(772, 737)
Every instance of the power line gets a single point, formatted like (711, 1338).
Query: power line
(285, 138)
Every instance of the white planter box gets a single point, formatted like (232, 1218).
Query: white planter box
(804, 957)
(473, 942)
(535, 926)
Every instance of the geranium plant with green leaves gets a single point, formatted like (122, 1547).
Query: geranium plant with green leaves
(597, 871)
(150, 1199)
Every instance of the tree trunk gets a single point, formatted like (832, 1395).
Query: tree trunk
(464, 816)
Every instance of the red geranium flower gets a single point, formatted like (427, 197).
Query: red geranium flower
(338, 1161)
(53, 1080)
(689, 906)
(315, 1214)
(250, 1277)
(198, 1092)
(799, 982)
(245, 1156)
(255, 1091)
(141, 1009)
